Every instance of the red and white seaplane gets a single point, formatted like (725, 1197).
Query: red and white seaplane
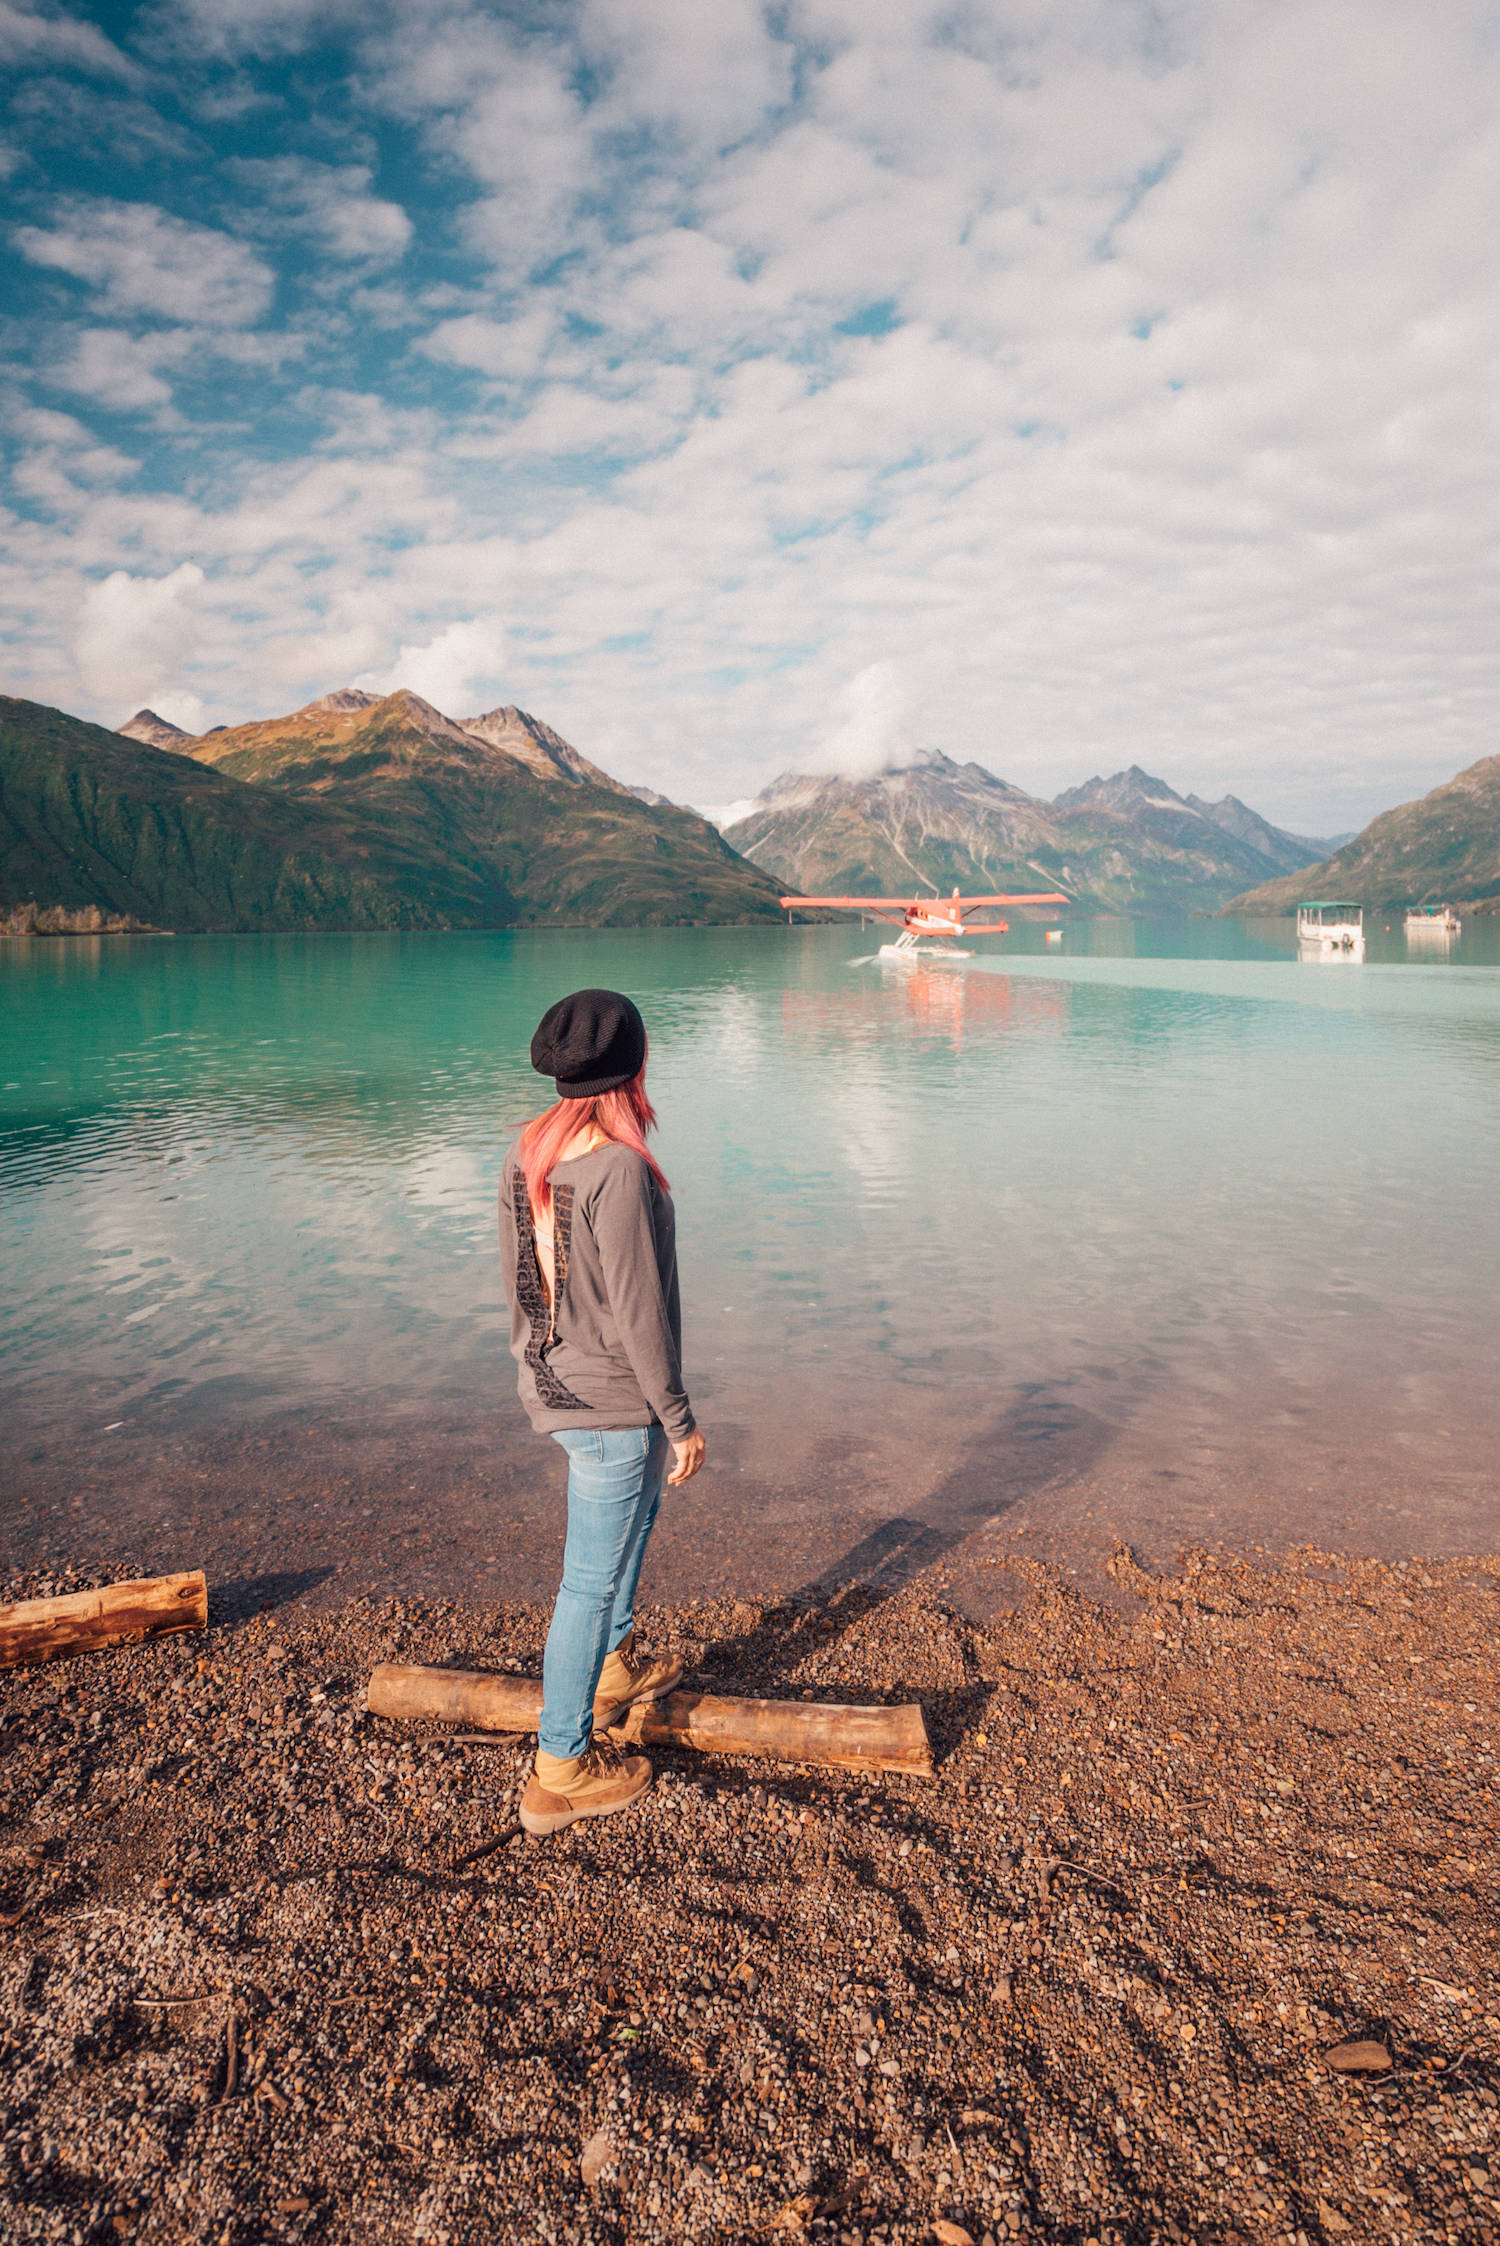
(930, 926)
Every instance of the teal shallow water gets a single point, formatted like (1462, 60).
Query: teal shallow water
(1169, 1213)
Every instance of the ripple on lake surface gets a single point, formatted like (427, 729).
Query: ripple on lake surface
(1168, 1208)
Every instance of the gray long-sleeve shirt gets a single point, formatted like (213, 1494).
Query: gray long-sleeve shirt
(607, 1352)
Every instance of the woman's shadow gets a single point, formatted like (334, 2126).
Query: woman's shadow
(1042, 1440)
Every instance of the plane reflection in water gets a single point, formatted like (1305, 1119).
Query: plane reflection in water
(941, 1005)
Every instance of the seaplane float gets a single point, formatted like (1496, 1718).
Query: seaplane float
(930, 926)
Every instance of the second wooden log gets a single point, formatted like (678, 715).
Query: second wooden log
(153, 1606)
(799, 1731)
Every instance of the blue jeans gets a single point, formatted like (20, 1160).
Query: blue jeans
(615, 1478)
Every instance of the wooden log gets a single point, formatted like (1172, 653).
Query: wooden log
(808, 1731)
(36, 1630)
(798, 1731)
(470, 1696)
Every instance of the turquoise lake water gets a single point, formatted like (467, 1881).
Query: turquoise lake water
(1162, 1230)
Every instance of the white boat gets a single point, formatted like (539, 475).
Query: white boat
(1432, 922)
(1331, 927)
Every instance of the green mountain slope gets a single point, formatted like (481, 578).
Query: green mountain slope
(566, 850)
(90, 819)
(1442, 849)
(383, 815)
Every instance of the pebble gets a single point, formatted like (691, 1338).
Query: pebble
(665, 2006)
(1359, 2058)
(596, 2156)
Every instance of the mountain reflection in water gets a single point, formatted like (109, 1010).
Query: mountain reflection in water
(1160, 1226)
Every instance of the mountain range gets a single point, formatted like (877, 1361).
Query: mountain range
(380, 811)
(1128, 843)
(359, 811)
(1442, 849)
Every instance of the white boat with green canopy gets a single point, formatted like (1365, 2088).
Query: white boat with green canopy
(1331, 924)
(1432, 921)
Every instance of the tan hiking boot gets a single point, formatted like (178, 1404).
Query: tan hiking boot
(560, 1791)
(623, 1680)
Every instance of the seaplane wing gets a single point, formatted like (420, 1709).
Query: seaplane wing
(925, 904)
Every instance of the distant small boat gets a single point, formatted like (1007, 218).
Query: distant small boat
(1439, 921)
(1334, 926)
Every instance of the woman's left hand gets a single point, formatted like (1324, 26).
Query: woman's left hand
(689, 1456)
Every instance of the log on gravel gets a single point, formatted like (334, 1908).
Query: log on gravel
(808, 1731)
(35, 1630)
(783, 1730)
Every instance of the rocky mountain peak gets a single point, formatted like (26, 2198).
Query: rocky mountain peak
(1129, 793)
(345, 698)
(929, 785)
(1286, 851)
(405, 708)
(514, 732)
(1129, 842)
(156, 732)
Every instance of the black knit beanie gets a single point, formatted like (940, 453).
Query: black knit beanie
(592, 1041)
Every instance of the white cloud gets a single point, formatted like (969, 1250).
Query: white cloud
(56, 40)
(124, 371)
(61, 461)
(506, 350)
(115, 367)
(506, 108)
(873, 724)
(180, 708)
(332, 203)
(709, 74)
(727, 815)
(454, 671)
(146, 260)
(221, 28)
(1110, 382)
(134, 633)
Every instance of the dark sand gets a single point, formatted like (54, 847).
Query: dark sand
(362, 1498)
(1088, 1983)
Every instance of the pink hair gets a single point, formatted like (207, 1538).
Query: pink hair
(624, 1115)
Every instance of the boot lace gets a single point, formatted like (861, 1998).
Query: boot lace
(601, 1758)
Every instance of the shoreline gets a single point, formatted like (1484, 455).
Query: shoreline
(1083, 1984)
(337, 1502)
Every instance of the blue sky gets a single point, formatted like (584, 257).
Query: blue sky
(1059, 383)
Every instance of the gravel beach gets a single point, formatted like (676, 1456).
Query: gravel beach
(1192, 1936)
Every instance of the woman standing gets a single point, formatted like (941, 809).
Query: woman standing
(589, 1255)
